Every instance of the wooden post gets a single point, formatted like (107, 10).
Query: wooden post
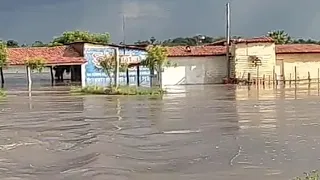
(318, 80)
(138, 75)
(263, 79)
(309, 78)
(128, 77)
(2, 77)
(257, 76)
(273, 77)
(290, 80)
(295, 74)
(116, 71)
(51, 73)
(29, 78)
(269, 80)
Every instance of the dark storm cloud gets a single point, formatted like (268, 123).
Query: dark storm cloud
(31, 20)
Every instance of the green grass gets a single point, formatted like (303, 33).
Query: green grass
(313, 175)
(122, 90)
(3, 93)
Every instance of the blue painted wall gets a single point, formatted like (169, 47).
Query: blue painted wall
(94, 76)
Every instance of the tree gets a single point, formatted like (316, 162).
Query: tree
(157, 58)
(12, 44)
(3, 59)
(34, 64)
(38, 44)
(280, 37)
(108, 66)
(81, 36)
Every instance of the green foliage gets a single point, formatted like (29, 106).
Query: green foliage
(108, 65)
(123, 90)
(38, 44)
(12, 44)
(2, 93)
(36, 63)
(81, 36)
(157, 58)
(3, 54)
(280, 37)
(182, 41)
(313, 175)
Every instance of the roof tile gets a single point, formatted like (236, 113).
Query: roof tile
(297, 48)
(52, 55)
(180, 51)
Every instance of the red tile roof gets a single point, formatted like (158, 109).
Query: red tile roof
(297, 48)
(181, 51)
(53, 55)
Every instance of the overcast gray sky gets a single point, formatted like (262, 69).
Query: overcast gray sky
(30, 20)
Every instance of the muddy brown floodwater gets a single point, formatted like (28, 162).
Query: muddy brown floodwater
(209, 132)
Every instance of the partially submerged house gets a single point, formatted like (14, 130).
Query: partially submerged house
(195, 65)
(304, 59)
(58, 58)
(209, 65)
(81, 60)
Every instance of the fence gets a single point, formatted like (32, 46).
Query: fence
(276, 79)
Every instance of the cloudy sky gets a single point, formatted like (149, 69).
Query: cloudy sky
(30, 20)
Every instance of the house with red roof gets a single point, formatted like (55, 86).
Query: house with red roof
(208, 64)
(82, 60)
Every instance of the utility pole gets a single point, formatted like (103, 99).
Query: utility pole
(124, 32)
(228, 39)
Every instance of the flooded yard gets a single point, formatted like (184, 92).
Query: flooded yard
(208, 132)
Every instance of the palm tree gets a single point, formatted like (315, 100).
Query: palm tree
(280, 37)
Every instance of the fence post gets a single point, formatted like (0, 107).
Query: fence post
(273, 77)
(309, 78)
(295, 74)
(290, 80)
(318, 75)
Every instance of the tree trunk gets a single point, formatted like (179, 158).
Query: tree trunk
(160, 76)
(2, 77)
(110, 79)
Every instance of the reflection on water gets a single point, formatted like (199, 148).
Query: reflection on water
(208, 132)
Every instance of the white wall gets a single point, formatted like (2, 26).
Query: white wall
(195, 70)
(264, 51)
(304, 62)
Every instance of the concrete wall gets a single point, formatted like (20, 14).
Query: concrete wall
(195, 70)
(264, 51)
(305, 62)
(94, 76)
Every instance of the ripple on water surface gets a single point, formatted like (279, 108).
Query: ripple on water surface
(209, 132)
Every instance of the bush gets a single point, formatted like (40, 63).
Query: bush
(313, 175)
(2, 93)
(123, 90)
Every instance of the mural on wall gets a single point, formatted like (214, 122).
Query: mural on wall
(94, 75)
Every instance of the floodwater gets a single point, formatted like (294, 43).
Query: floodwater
(203, 132)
